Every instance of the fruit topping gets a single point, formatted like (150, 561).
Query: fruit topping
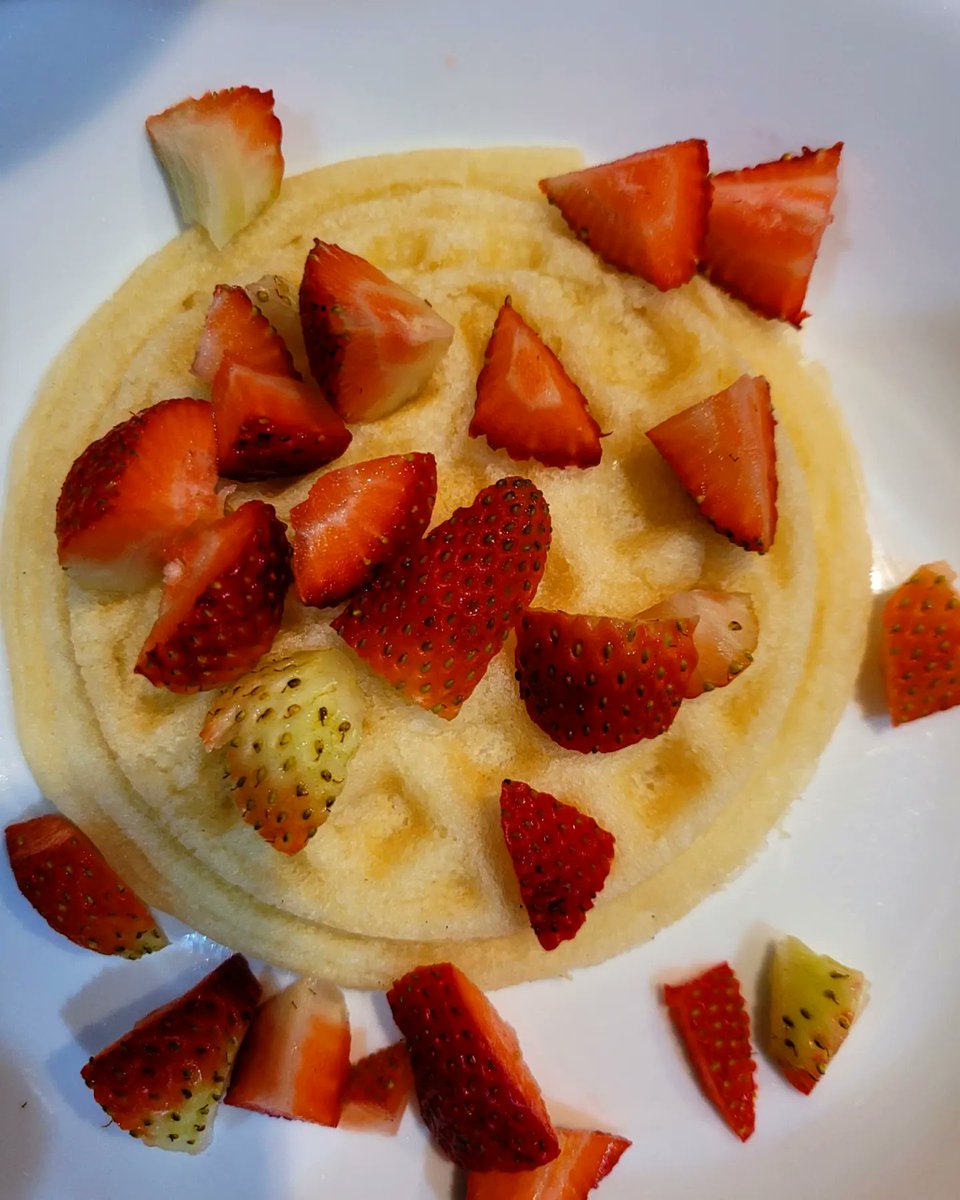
(646, 214)
(725, 634)
(163, 1081)
(378, 1090)
(222, 602)
(222, 156)
(236, 329)
(920, 648)
(372, 345)
(723, 452)
(561, 857)
(278, 301)
(132, 493)
(355, 518)
(431, 621)
(586, 1159)
(476, 1094)
(288, 732)
(71, 885)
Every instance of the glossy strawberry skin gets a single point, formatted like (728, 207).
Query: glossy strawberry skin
(586, 1158)
(920, 647)
(378, 1090)
(237, 331)
(725, 634)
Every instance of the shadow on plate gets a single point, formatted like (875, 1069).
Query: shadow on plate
(23, 1130)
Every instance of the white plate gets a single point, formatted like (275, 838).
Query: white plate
(867, 867)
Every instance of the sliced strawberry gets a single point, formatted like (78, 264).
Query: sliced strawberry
(372, 345)
(586, 1159)
(269, 426)
(71, 885)
(765, 227)
(920, 649)
(646, 214)
(562, 858)
(222, 156)
(725, 634)
(356, 518)
(378, 1090)
(477, 1096)
(222, 602)
(723, 452)
(236, 329)
(295, 1059)
(432, 620)
(133, 492)
(277, 300)
(597, 684)
(162, 1082)
(709, 1015)
(526, 402)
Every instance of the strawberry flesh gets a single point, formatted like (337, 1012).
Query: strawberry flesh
(378, 1090)
(237, 330)
(586, 1158)
(920, 649)
(725, 634)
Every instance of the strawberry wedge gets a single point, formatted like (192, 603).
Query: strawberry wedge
(920, 648)
(725, 634)
(586, 1159)
(235, 328)
(378, 1090)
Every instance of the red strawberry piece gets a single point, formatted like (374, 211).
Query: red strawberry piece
(236, 329)
(597, 684)
(162, 1082)
(586, 1159)
(378, 1090)
(372, 345)
(920, 649)
(477, 1096)
(355, 518)
(725, 634)
(432, 620)
(765, 227)
(709, 1015)
(222, 602)
(526, 402)
(295, 1059)
(278, 301)
(75, 890)
(269, 426)
(646, 214)
(133, 492)
(561, 856)
(723, 452)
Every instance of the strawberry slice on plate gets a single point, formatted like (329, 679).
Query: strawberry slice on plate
(477, 1096)
(723, 452)
(222, 602)
(269, 426)
(222, 156)
(431, 621)
(646, 214)
(372, 345)
(378, 1090)
(355, 518)
(561, 857)
(163, 1081)
(133, 492)
(586, 1158)
(725, 634)
(920, 649)
(71, 885)
(526, 402)
(235, 328)
(712, 1022)
(765, 228)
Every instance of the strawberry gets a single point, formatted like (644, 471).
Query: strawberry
(378, 1090)
(133, 492)
(477, 1096)
(561, 856)
(288, 732)
(71, 885)
(277, 300)
(236, 329)
(765, 227)
(295, 1059)
(162, 1082)
(355, 518)
(585, 1160)
(646, 214)
(431, 621)
(268, 425)
(725, 634)
(813, 1002)
(597, 684)
(372, 345)
(222, 602)
(222, 156)
(723, 452)
(921, 644)
(709, 1015)
(526, 402)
